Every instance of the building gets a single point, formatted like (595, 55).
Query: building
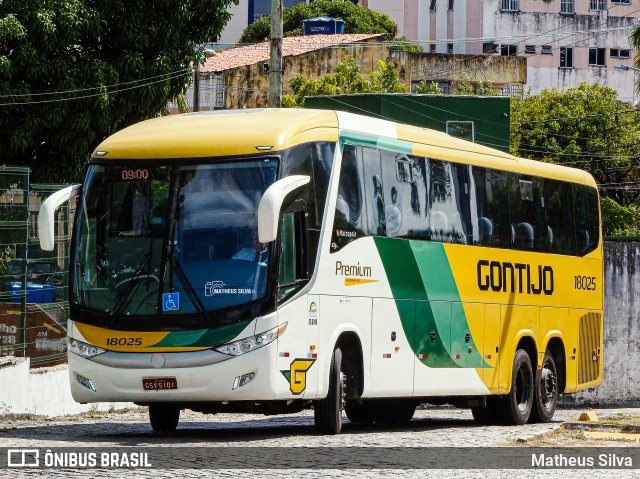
(238, 77)
(565, 42)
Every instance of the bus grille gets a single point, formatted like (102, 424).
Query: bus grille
(590, 330)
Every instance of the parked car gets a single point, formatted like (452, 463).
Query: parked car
(43, 271)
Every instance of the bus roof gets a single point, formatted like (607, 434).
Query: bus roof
(251, 131)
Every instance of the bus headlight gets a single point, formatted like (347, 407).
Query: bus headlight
(251, 343)
(83, 349)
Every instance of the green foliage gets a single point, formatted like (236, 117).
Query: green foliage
(431, 88)
(403, 44)
(586, 127)
(74, 71)
(619, 220)
(356, 20)
(346, 79)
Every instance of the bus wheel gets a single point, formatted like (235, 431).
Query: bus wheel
(164, 417)
(518, 403)
(546, 391)
(401, 413)
(488, 414)
(359, 413)
(327, 412)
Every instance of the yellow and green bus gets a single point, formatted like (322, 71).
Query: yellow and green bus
(278, 260)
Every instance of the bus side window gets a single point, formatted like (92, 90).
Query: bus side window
(348, 221)
(527, 212)
(373, 189)
(489, 199)
(560, 225)
(585, 200)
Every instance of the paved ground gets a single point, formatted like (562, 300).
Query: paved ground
(441, 427)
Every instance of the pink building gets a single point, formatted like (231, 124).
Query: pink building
(566, 42)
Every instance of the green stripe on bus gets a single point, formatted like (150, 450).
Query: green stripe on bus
(203, 337)
(435, 324)
(374, 141)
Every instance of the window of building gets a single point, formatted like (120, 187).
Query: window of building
(621, 2)
(432, 48)
(510, 5)
(530, 49)
(547, 50)
(567, 7)
(449, 47)
(596, 57)
(432, 6)
(450, 4)
(489, 47)
(620, 53)
(508, 50)
(598, 5)
(566, 57)
(461, 129)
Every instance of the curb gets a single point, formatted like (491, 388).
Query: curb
(537, 435)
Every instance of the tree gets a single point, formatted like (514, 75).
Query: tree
(619, 220)
(346, 79)
(74, 71)
(357, 20)
(587, 127)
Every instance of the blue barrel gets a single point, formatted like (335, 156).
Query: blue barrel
(322, 26)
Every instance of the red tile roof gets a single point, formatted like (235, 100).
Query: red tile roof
(251, 54)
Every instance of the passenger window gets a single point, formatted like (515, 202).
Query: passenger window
(373, 189)
(526, 209)
(348, 223)
(448, 218)
(405, 195)
(490, 212)
(559, 210)
(587, 218)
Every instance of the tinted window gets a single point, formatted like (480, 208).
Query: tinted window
(526, 209)
(448, 218)
(490, 215)
(349, 222)
(587, 218)
(560, 225)
(405, 195)
(373, 188)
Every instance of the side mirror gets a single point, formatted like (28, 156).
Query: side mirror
(271, 203)
(47, 218)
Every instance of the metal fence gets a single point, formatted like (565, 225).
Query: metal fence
(33, 283)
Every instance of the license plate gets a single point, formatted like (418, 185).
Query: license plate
(154, 384)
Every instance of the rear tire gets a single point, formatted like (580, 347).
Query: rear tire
(327, 412)
(164, 417)
(518, 403)
(546, 391)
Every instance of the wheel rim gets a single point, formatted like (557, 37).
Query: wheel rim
(523, 388)
(547, 386)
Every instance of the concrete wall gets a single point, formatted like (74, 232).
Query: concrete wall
(43, 391)
(621, 383)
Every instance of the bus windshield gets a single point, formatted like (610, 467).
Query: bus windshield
(171, 239)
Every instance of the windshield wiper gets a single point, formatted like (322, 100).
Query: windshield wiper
(123, 299)
(188, 288)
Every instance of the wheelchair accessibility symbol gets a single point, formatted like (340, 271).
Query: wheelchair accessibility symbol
(170, 301)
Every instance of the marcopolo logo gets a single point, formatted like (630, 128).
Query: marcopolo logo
(520, 278)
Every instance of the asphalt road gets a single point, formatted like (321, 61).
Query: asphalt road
(287, 446)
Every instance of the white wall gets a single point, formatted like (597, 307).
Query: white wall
(43, 391)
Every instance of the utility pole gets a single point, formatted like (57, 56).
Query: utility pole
(275, 62)
(196, 86)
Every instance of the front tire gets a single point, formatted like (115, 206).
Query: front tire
(546, 391)
(327, 412)
(519, 401)
(164, 417)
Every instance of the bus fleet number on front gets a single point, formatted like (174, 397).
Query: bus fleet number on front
(587, 283)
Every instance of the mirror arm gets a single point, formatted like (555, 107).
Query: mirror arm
(47, 218)
(271, 203)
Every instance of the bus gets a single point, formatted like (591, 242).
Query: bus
(276, 260)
